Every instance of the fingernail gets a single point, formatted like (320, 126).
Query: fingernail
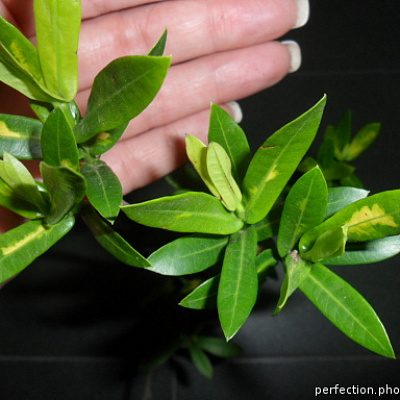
(303, 13)
(295, 54)
(236, 111)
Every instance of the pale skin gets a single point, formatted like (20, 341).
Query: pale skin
(222, 50)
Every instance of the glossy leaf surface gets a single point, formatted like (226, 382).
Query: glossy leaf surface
(305, 207)
(121, 91)
(112, 241)
(188, 212)
(203, 296)
(238, 285)
(346, 309)
(20, 136)
(57, 34)
(22, 245)
(187, 255)
(340, 197)
(104, 189)
(225, 131)
(159, 48)
(275, 162)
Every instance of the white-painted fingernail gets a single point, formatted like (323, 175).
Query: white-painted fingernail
(295, 54)
(303, 13)
(236, 111)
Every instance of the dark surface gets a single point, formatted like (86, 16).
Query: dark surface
(72, 327)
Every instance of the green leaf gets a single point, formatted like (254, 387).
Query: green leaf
(304, 208)
(296, 271)
(338, 170)
(112, 241)
(352, 180)
(104, 189)
(204, 296)
(368, 252)
(367, 219)
(331, 243)
(19, 63)
(238, 285)
(159, 47)
(341, 135)
(362, 140)
(219, 170)
(218, 347)
(340, 197)
(20, 180)
(57, 34)
(346, 309)
(22, 245)
(224, 130)
(200, 360)
(264, 262)
(268, 226)
(66, 188)
(120, 92)
(188, 212)
(187, 255)
(276, 161)
(20, 136)
(58, 140)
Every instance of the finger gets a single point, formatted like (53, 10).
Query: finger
(190, 87)
(196, 28)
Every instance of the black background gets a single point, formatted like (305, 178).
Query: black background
(73, 324)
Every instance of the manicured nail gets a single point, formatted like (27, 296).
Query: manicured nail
(303, 13)
(235, 111)
(295, 54)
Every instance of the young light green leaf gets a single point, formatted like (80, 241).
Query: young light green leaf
(218, 347)
(304, 208)
(57, 34)
(120, 92)
(188, 212)
(340, 197)
(200, 360)
(296, 271)
(112, 241)
(204, 296)
(20, 136)
(367, 219)
(197, 153)
(238, 287)
(224, 130)
(20, 180)
(159, 47)
(341, 135)
(368, 252)
(276, 161)
(346, 309)
(19, 63)
(22, 245)
(58, 140)
(104, 189)
(331, 243)
(219, 170)
(187, 255)
(66, 188)
(362, 140)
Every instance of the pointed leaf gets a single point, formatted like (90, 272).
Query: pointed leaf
(218, 347)
(367, 219)
(58, 140)
(204, 296)
(276, 161)
(200, 360)
(20, 136)
(346, 309)
(225, 131)
(66, 187)
(219, 170)
(341, 135)
(187, 255)
(120, 92)
(304, 208)
(22, 245)
(57, 34)
(188, 212)
(159, 47)
(112, 241)
(238, 285)
(340, 197)
(104, 189)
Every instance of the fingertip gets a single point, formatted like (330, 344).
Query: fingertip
(295, 54)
